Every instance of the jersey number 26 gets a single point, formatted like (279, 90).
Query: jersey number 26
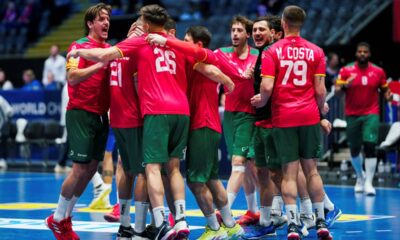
(165, 61)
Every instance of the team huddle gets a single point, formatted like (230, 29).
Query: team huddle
(162, 97)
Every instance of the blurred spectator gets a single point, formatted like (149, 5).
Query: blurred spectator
(51, 83)
(55, 64)
(332, 70)
(6, 112)
(26, 14)
(4, 83)
(9, 20)
(269, 7)
(30, 83)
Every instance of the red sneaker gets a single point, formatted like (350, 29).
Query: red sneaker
(219, 217)
(249, 218)
(62, 230)
(114, 215)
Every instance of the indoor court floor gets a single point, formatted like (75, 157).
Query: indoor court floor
(27, 198)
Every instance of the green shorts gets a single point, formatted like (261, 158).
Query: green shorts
(297, 143)
(362, 129)
(202, 155)
(87, 135)
(129, 143)
(239, 133)
(265, 152)
(164, 136)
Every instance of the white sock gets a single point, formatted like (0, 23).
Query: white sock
(107, 185)
(319, 210)
(152, 219)
(71, 205)
(180, 208)
(277, 203)
(226, 215)
(328, 204)
(141, 209)
(125, 207)
(212, 222)
(159, 215)
(97, 180)
(306, 206)
(251, 200)
(292, 214)
(370, 167)
(357, 165)
(265, 216)
(231, 198)
(61, 209)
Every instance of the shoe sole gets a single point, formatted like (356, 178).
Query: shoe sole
(109, 218)
(182, 234)
(169, 236)
(93, 205)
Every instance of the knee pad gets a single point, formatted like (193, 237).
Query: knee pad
(355, 151)
(369, 150)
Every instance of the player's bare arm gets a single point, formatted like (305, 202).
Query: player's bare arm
(320, 91)
(76, 75)
(266, 87)
(215, 74)
(96, 54)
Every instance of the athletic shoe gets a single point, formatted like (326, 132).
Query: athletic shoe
(219, 217)
(150, 231)
(233, 232)
(114, 215)
(332, 216)
(62, 230)
(171, 220)
(322, 230)
(308, 222)
(125, 233)
(293, 232)
(359, 187)
(369, 189)
(165, 232)
(279, 220)
(141, 236)
(259, 231)
(101, 198)
(210, 234)
(249, 218)
(181, 228)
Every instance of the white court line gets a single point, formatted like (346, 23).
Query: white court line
(354, 232)
(78, 226)
(22, 179)
(386, 230)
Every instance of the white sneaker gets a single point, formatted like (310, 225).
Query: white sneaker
(60, 169)
(308, 222)
(3, 164)
(369, 189)
(359, 187)
(182, 228)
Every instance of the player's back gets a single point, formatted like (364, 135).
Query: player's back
(295, 62)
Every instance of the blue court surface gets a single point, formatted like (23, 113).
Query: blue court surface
(26, 199)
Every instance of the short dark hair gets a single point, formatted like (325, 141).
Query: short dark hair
(154, 14)
(170, 24)
(94, 11)
(275, 22)
(200, 33)
(294, 16)
(263, 18)
(364, 44)
(247, 23)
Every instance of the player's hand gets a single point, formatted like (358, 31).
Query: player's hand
(325, 109)
(229, 87)
(135, 30)
(256, 101)
(156, 39)
(326, 126)
(73, 53)
(350, 80)
(248, 74)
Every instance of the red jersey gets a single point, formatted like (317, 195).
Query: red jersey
(92, 94)
(124, 108)
(203, 100)
(239, 99)
(293, 62)
(162, 80)
(362, 97)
